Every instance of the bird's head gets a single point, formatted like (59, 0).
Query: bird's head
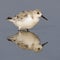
(39, 14)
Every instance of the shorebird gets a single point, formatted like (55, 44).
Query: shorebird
(27, 40)
(26, 20)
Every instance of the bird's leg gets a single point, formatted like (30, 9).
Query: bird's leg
(19, 29)
(27, 30)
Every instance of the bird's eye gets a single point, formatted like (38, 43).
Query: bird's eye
(38, 13)
(38, 48)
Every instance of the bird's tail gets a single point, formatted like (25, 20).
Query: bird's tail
(8, 18)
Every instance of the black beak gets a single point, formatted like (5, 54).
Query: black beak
(44, 18)
(44, 43)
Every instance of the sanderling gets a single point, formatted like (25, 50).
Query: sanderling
(27, 40)
(26, 19)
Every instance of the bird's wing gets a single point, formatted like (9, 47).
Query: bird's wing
(22, 15)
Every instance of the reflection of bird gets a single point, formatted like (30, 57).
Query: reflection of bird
(27, 19)
(27, 40)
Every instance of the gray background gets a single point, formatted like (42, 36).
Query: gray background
(46, 31)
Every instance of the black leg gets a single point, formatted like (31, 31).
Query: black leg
(19, 30)
(27, 30)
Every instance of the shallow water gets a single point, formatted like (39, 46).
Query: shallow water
(46, 31)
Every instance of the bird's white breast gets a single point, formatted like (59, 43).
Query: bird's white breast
(27, 22)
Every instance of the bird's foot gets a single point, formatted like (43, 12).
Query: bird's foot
(27, 30)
